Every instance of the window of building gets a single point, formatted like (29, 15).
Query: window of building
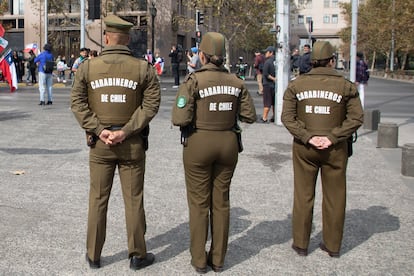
(308, 19)
(301, 19)
(20, 23)
(9, 23)
(334, 3)
(326, 3)
(334, 18)
(326, 19)
(72, 6)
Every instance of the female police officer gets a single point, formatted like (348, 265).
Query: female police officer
(207, 106)
(321, 109)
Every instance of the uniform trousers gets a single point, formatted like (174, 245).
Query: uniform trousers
(210, 159)
(332, 162)
(129, 157)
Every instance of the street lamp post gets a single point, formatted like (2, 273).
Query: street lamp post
(153, 12)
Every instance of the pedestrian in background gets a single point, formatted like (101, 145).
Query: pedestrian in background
(305, 64)
(211, 140)
(45, 62)
(93, 54)
(269, 80)
(70, 64)
(159, 64)
(61, 67)
(114, 97)
(175, 65)
(294, 62)
(32, 66)
(193, 60)
(18, 64)
(361, 76)
(321, 109)
(259, 60)
(83, 55)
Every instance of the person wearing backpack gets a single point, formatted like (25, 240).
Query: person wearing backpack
(45, 62)
(361, 76)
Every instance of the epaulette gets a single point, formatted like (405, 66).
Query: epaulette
(189, 76)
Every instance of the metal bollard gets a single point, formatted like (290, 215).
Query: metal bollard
(407, 160)
(387, 136)
(371, 119)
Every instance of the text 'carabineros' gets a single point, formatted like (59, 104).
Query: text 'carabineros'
(219, 90)
(120, 82)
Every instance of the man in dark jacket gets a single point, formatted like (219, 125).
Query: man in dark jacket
(269, 80)
(305, 60)
(175, 65)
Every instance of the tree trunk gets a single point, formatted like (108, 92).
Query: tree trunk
(404, 61)
(374, 59)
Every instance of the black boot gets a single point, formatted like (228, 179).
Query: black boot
(42, 103)
(49, 102)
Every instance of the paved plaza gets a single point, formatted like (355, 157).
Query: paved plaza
(44, 182)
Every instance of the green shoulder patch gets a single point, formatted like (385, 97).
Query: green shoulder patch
(181, 101)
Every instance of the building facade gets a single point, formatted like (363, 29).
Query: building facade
(24, 22)
(313, 20)
(171, 24)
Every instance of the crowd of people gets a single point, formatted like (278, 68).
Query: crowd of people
(26, 67)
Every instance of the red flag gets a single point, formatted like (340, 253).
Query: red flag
(2, 31)
(9, 71)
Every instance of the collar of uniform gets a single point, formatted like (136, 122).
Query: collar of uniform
(117, 49)
(323, 71)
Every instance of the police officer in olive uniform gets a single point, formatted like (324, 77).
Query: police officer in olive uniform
(321, 109)
(207, 107)
(114, 97)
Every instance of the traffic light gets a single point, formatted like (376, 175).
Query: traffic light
(198, 37)
(200, 18)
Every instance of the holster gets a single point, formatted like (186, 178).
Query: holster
(91, 139)
(349, 142)
(185, 133)
(236, 129)
(352, 139)
(144, 135)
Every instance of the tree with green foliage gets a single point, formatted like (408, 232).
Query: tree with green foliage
(245, 28)
(377, 21)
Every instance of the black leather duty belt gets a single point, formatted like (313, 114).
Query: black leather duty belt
(115, 127)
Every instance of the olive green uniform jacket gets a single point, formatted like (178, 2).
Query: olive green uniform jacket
(310, 107)
(131, 108)
(185, 112)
